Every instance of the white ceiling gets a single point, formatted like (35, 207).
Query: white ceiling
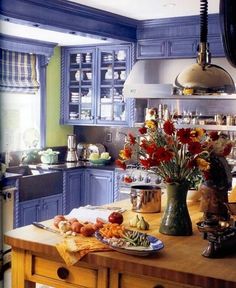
(151, 9)
(139, 10)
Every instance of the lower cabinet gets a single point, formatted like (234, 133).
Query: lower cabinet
(73, 188)
(39, 209)
(99, 187)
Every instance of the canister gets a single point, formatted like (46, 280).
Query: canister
(230, 120)
(145, 198)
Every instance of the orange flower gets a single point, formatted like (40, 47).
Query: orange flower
(197, 134)
(126, 153)
(203, 164)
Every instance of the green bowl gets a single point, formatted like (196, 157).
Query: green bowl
(100, 161)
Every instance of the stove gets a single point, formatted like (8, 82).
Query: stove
(133, 175)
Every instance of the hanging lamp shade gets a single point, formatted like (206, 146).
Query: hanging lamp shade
(204, 77)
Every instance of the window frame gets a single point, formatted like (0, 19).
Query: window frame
(43, 51)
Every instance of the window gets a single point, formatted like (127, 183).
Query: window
(20, 101)
(23, 93)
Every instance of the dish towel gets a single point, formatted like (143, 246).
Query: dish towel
(90, 213)
(73, 248)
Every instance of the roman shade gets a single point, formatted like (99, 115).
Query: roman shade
(18, 72)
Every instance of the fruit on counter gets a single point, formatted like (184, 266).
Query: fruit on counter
(72, 220)
(87, 230)
(76, 226)
(57, 219)
(142, 224)
(134, 221)
(105, 155)
(94, 156)
(100, 222)
(64, 226)
(115, 217)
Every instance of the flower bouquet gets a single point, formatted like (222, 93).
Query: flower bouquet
(179, 156)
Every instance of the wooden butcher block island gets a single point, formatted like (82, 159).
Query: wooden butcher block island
(35, 259)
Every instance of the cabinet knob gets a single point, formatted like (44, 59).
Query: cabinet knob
(62, 272)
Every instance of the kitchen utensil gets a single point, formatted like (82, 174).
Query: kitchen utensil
(42, 226)
(71, 155)
(146, 198)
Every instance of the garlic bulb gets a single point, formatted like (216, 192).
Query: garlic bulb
(142, 224)
(133, 222)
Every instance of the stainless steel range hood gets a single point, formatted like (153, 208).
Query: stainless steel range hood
(143, 81)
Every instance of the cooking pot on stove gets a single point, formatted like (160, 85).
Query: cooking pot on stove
(145, 198)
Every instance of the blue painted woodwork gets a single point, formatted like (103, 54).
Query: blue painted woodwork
(92, 111)
(73, 186)
(176, 37)
(69, 17)
(159, 38)
(39, 209)
(99, 187)
(44, 51)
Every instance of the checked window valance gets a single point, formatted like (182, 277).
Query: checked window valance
(18, 72)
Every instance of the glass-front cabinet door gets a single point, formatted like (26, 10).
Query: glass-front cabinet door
(92, 84)
(114, 64)
(78, 89)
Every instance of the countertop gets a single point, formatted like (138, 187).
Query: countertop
(179, 261)
(73, 165)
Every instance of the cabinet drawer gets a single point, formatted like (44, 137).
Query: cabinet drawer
(57, 274)
(127, 281)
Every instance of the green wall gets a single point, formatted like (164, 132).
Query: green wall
(56, 134)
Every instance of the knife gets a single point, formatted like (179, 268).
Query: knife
(42, 226)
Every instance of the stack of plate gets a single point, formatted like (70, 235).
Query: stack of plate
(74, 97)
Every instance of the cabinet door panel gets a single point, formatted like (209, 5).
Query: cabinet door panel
(147, 49)
(73, 185)
(98, 187)
(29, 211)
(183, 48)
(51, 206)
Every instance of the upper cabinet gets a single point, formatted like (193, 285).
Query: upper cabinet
(92, 84)
(176, 37)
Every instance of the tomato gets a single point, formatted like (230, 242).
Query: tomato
(100, 222)
(87, 230)
(116, 217)
(76, 226)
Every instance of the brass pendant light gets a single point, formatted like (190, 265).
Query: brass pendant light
(204, 77)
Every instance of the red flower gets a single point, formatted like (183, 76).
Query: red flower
(151, 148)
(144, 144)
(146, 163)
(163, 155)
(121, 164)
(184, 135)
(194, 148)
(132, 139)
(169, 127)
(142, 130)
(227, 149)
(214, 135)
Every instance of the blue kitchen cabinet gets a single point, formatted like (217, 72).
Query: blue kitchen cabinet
(99, 187)
(92, 83)
(73, 188)
(39, 209)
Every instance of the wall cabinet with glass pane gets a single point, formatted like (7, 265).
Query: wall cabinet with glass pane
(92, 84)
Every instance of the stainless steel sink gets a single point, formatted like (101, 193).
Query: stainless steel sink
(37, 183)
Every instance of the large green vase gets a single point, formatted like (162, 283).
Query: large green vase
(176, 220)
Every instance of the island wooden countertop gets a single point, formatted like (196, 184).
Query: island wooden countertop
(179, 261)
